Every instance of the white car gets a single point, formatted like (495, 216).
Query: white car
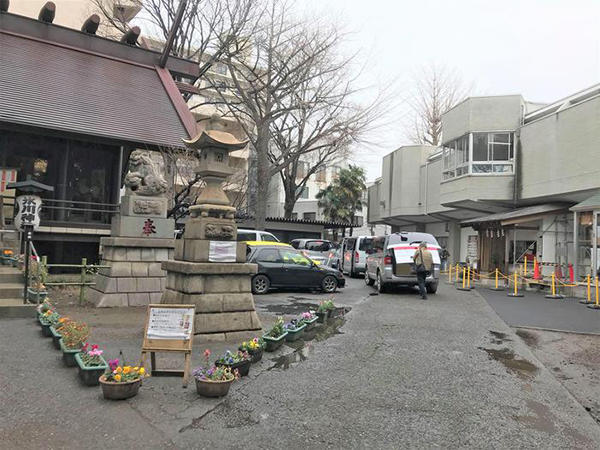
(354, 254)
(255, 235)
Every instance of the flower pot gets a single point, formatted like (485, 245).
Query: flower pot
(36, 296)
(55, 337)
(310, 323)
(335, 313)
(274, 343)
(90, 375)
(112, 390)
(46, 329)
(207, 388)
(322, 317)
(243, 367)
(256, 355)
(295, 334)
(68, 354)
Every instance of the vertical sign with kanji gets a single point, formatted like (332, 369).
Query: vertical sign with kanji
(28, 212)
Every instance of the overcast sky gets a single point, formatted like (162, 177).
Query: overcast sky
(542, 49)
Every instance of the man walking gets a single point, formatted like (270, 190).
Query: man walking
(423, 266)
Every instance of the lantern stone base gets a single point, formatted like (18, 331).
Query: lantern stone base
(221, 293)
(134, 276)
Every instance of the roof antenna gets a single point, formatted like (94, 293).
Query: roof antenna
(91, 24)
(47, 12)
(131, 36)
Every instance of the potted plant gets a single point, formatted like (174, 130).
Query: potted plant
(239, 361)
(37, 292)
(44, 307)
(212, 381)
(48, 319)
(275, 336)
(310, 319)
(55, 330)
(7, 256)
(121, 382)
(323, 311)
(91, 364)
(295, 330)
(254, 347)
(74, 334)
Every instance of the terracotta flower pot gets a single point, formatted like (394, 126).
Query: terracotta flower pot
(207, 388)
(243, 367)
(112, 390)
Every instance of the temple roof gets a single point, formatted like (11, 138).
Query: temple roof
(61, 79)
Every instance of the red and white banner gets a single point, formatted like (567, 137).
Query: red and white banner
(7, 176)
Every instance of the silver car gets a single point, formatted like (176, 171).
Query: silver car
(389, 261)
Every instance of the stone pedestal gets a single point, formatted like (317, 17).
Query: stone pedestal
(209, 269)
(141, 239)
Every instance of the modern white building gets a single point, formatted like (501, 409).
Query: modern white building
(512, 179)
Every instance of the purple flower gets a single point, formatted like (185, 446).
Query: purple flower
(113, 363)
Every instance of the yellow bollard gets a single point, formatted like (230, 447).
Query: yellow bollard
(554, 294)
(496, 278)
(597, 304)
(496, 286)
(525, 267)
(464, 277)
(469, 275)
(588, 300)
(515, 292)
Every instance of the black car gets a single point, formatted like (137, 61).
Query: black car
(283, 266)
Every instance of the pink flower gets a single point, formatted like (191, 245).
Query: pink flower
(94, 347)
(85, 347)
(206, 353)
(95, 352)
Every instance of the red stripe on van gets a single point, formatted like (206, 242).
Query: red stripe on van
(413, 248)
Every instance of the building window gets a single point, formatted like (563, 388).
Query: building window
(322, 174)
(301, 170)
(295, 216)
(303, 192)
(309, 216)
(490, 153)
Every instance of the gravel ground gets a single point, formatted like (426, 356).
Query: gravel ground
(398, 373)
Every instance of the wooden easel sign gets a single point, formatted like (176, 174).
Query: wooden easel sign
(169, 328)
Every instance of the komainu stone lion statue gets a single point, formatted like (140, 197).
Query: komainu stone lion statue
(143, 177)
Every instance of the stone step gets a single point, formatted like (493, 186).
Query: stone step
(14, 308)
(11, 277)
(11, 290)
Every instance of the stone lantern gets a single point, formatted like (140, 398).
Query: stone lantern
(210, 269)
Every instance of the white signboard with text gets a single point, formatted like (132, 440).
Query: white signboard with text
(170, 323)
(222, 251)
(28, 209)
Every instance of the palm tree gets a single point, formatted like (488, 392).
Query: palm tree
(344, 197)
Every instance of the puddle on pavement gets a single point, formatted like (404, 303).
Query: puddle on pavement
(530, 338)
(499, 338)
(304, 347)
(521, 367)
(543, 420)
(297, 308)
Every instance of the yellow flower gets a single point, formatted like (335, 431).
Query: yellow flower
(119, 369)
(117, 377)
(126, 369)
(136, 368)
(142, 371)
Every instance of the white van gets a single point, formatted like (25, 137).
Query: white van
(354, 254)
(255, 235)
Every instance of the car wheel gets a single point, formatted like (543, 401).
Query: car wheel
(432, 288)
(260, 284)
(368, 280)
(329, 284)
(380, 284)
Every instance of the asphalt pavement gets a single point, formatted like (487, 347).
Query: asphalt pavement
(533, 310)
(396, 372)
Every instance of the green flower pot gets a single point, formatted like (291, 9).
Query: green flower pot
(68, 354)
(295, 334)
(90, 375)
(56, 336)
(36, 296)
(310, 323)
(322, 317)
(274, 343)
(46, 329)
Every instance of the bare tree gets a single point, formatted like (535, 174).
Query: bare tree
(320, 132)
(436, 90)
(287, 54)
(208, 29)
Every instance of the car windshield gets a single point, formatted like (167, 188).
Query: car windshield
(269, 237)
(365, 244)
(317, 246)
(412, 238)
(295, 257)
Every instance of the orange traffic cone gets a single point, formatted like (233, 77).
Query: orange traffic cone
(536, 270)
